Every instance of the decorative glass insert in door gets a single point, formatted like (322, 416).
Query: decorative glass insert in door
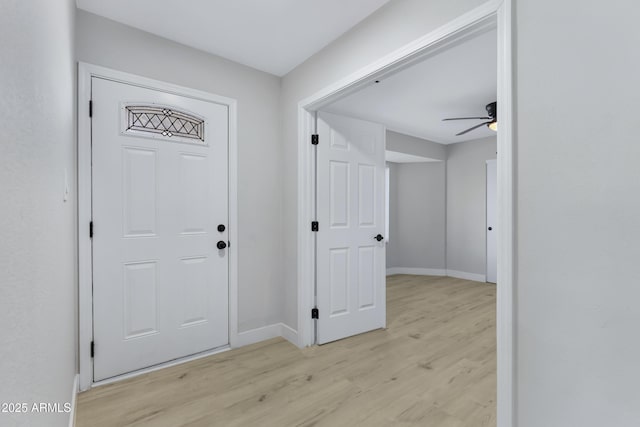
(162, 121)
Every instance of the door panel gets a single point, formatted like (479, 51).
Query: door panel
(339, 202)
(140, 296)
(367, 195)
(159, 185)
(339, 276)
(350, 199)
(139, 188)
(193, 302)
(366, 277)
(194, 192)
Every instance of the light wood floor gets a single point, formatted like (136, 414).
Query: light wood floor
(435, 366)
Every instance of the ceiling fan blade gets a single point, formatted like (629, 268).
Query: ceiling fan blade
(472, 128)
(467, 118)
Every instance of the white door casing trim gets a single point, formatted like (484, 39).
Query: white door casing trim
(85, 295)
(74, 399)
(489, 15)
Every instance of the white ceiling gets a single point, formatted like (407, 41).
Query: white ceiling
(398, 157)
(273, 36)
(457, 82)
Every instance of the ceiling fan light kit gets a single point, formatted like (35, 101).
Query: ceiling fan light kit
(492, 116)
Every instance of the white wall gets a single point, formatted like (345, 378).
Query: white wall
(389, 28)
(104, 42)
(466, 204)
(578, 213)
(37, 229)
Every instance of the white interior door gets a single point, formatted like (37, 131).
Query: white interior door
(350, 203)
(159, 185)
(492, 210)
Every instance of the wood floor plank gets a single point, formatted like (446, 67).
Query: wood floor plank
(434, 365)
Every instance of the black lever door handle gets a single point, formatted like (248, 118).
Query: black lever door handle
(221, 245)
(379, 237)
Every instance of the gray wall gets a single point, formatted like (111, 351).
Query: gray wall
(37, 229)
(466, 204)
(107, 43)
(416, 204)
(417, 209)
(578, 213)
(389, 28)
(393, 245)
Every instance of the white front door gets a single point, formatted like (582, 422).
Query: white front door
(159, 185)
(350, 201)
(492, 210)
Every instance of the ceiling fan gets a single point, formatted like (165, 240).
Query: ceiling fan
(492, 113)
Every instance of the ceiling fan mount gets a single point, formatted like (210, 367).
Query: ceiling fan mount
(492, 117)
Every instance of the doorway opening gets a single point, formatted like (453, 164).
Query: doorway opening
(489, 17)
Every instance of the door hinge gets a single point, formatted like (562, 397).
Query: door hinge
(315, 138)
(315, 225)
(91, 229)
(315, 313)
(90, 108)
(93, 349)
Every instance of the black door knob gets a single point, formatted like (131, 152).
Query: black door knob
(379, 237)
(221, 228)
(221, 244)
(490, 228)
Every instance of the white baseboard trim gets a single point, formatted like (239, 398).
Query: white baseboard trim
(437, 272)
(467, 276)
(264, 333)
(74, 394)
(289, 334)
(417, 271)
